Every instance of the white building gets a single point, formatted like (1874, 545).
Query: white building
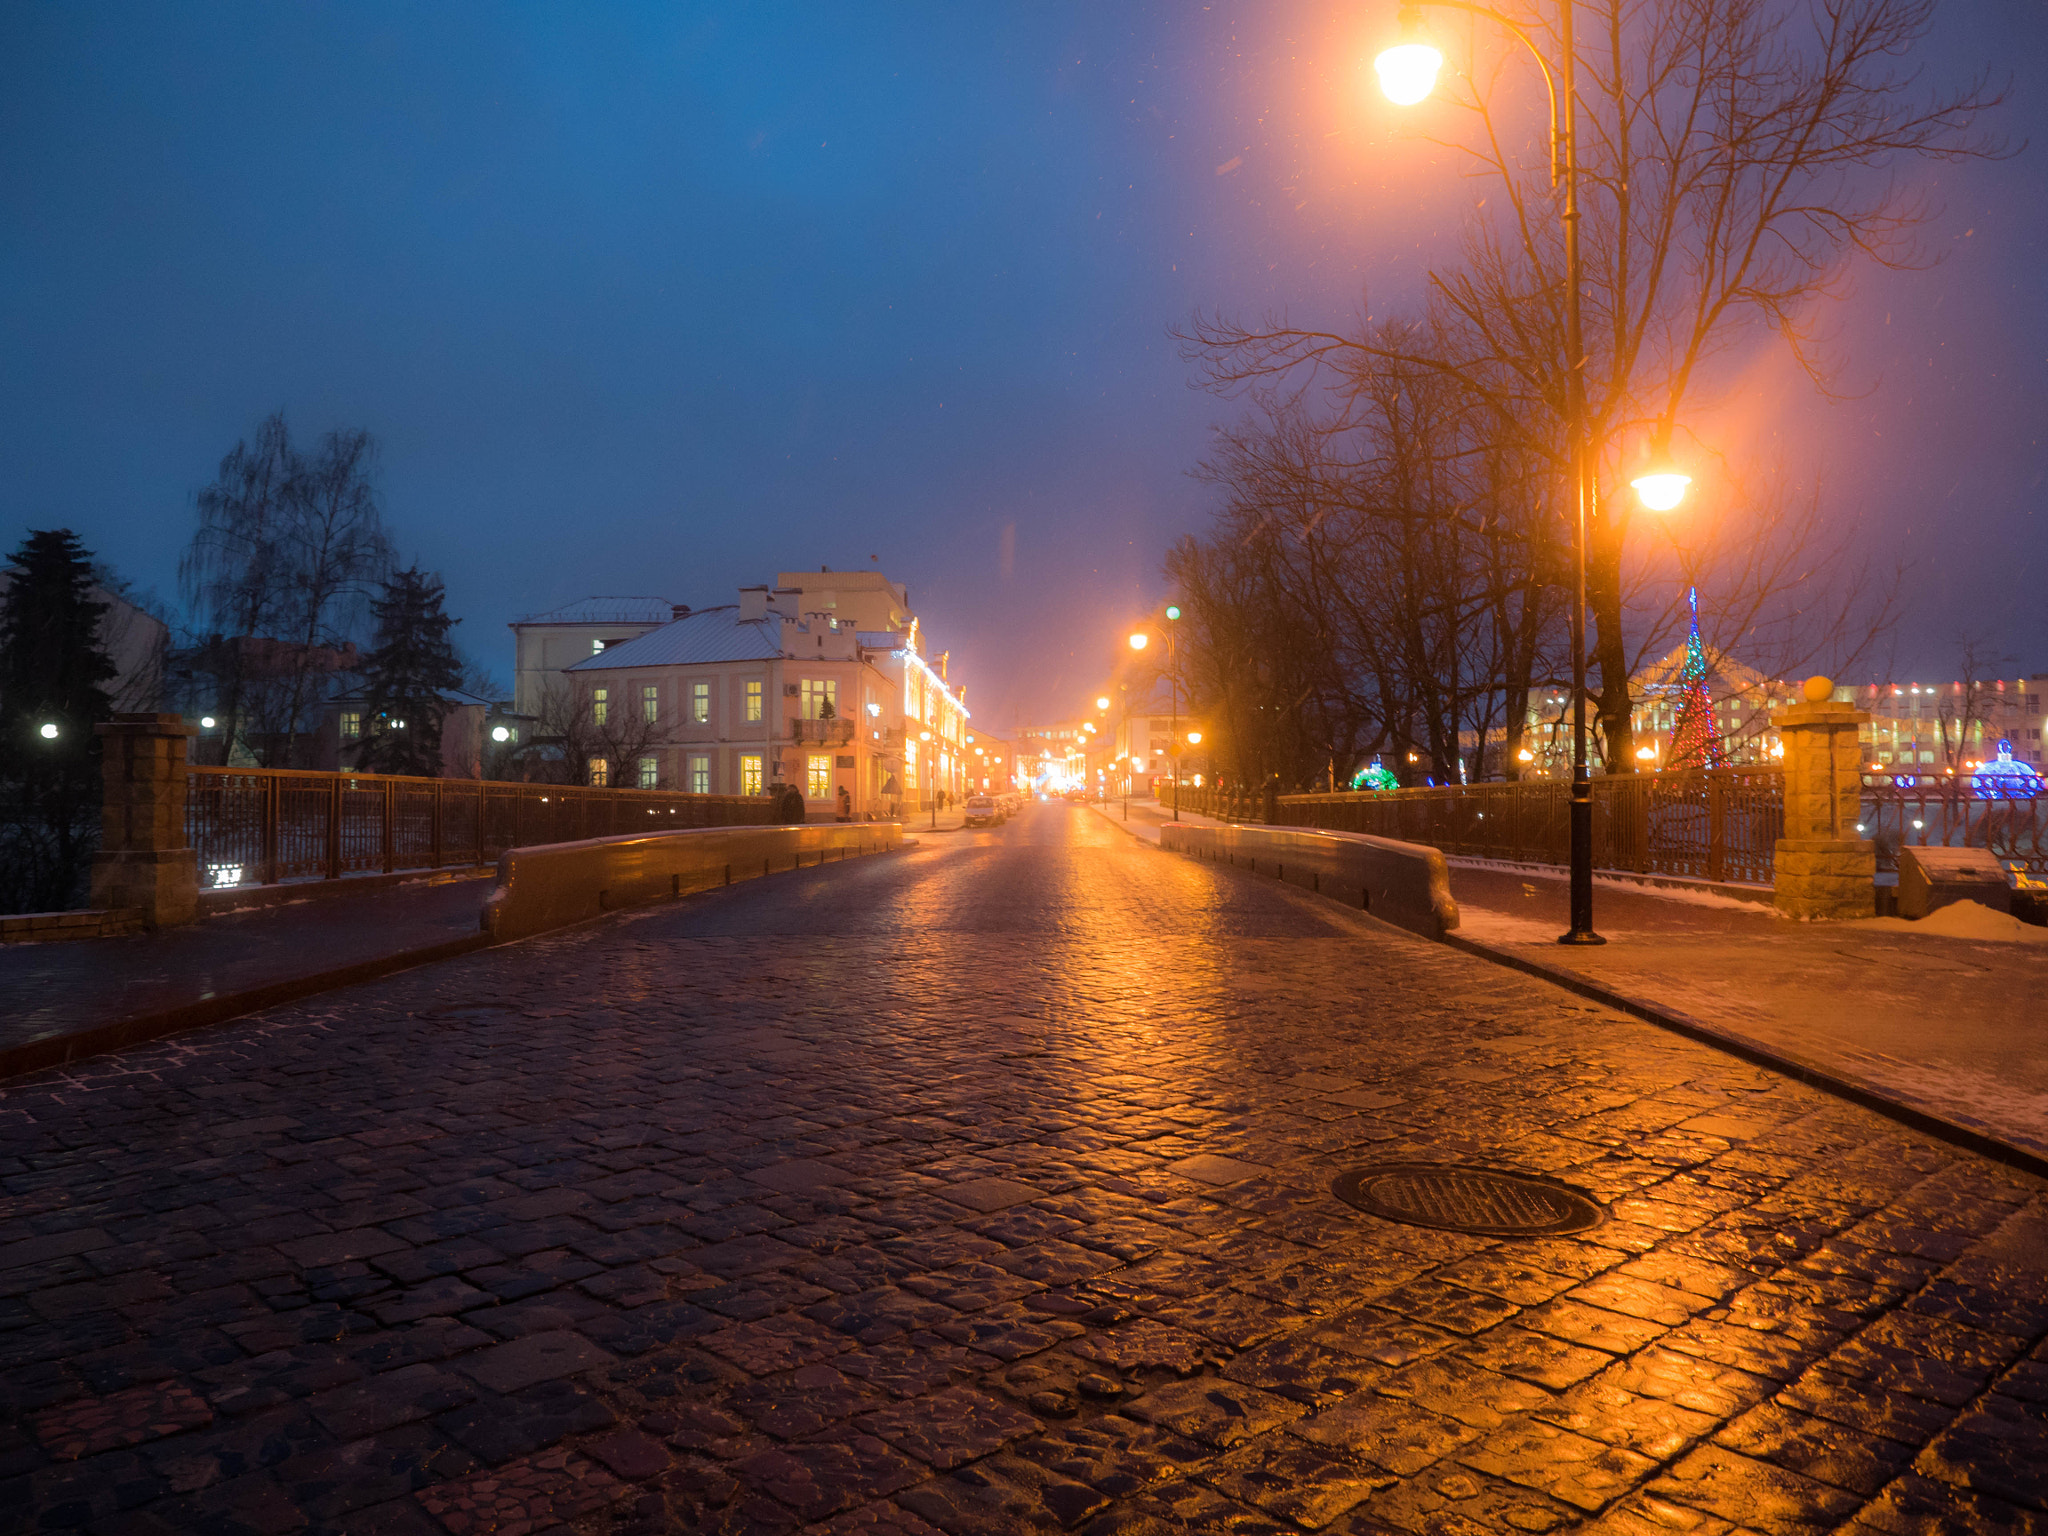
(820, 681)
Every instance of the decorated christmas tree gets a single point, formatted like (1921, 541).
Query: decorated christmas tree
(1694, 743)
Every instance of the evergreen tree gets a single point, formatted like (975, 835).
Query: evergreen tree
(1694, 741)
(408, 677)
(53, 676)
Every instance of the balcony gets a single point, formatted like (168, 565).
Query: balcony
(821, 733)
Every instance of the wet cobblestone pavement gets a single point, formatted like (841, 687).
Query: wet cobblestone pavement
(985, 1188)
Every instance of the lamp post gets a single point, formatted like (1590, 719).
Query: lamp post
(1407, 74)
(1173, 696)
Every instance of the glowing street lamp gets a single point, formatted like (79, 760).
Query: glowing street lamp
(1103, 702)
(1194, 738)
(1661, 487)
(47, 730)
(1140, 640)
(1408, 70)
(1407, 74)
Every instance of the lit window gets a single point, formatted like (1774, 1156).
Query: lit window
(700, 703)
(754, 709)
(600, 705)
(750, 773)
(650, 703)
(600, 773)
(820, 698)
(650, 773)
(596, 646)
(818, 776)
(700, 775)
(351, 724)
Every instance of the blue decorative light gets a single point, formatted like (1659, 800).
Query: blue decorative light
(2006, 779)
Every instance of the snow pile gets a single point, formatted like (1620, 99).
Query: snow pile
(1968, 920)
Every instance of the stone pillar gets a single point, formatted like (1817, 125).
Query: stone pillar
(1823, 869)
(143, 864)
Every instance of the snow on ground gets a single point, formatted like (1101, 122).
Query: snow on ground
(1963, 920)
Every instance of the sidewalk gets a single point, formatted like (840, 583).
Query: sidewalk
(1947, 1032)
(61, 1001)
(1948, 1027)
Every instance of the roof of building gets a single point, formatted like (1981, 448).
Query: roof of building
(709, 634)
(606, 610)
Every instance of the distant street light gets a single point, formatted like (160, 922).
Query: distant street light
(47, 730)
(1140, 640)
(206, 722)
(1103, 702)
(500, 733)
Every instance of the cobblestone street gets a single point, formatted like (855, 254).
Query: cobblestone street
(985, 1187)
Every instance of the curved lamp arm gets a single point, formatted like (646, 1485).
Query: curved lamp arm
(1411, 10)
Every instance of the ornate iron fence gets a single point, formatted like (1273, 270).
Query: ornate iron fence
(1940, 811)
(1718, 824)
(259, 826)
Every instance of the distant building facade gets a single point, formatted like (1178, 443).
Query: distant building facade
(820, 681)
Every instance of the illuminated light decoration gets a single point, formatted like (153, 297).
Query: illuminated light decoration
(1408, 70)
(1694, 742)
(2006, 779)
(224, 874)
(1375, 776)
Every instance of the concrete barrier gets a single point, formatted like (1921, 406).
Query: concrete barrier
(1405, 884)
(555, 884)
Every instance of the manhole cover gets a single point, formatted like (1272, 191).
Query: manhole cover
(1455, 1198)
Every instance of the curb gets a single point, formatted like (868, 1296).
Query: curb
(36, 1055)
(1929, 1123)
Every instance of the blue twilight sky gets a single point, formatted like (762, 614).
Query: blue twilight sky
(659, 298)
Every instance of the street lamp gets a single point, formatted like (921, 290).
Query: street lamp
(1103, 702)
(1407, 74)
(47, 730)
(1140, 640)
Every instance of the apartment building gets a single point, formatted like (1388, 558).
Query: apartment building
(820, 681)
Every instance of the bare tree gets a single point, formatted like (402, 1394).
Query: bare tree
(574, 732)
(279, 573)
(1740, 159)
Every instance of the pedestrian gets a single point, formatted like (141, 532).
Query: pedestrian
(845, 804)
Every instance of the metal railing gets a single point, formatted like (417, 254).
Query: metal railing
(1222, 804)
(1940, 811)
(1718, 824)
(260, 826)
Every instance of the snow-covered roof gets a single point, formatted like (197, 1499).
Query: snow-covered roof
(710, 634)
(606, 610)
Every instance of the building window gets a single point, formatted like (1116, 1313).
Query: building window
(600, 705)
(650, 703)
(818, 776)
(600, 773)
(754, 704)
(650, 773)
(700, 703)
(351, 724)
(700, 775)
(750, 773)
(820, 698)
(596, 646)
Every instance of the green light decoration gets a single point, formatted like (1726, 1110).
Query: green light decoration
(1694, 742)
(1375, 776)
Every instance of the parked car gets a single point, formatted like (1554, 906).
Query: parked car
(982, 812)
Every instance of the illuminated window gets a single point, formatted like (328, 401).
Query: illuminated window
(600, 705)
(596, 646)
(600, 773)
(351, 724)
(818, 776)
(750, 773)
(700, 703)
(820, 698)
(700, 775)
(754, 710)
(650, 703)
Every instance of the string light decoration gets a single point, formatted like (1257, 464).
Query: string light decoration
(1375, 776)
(2006, 779)
(1694, 742)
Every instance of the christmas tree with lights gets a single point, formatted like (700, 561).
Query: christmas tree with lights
(1694, 743)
